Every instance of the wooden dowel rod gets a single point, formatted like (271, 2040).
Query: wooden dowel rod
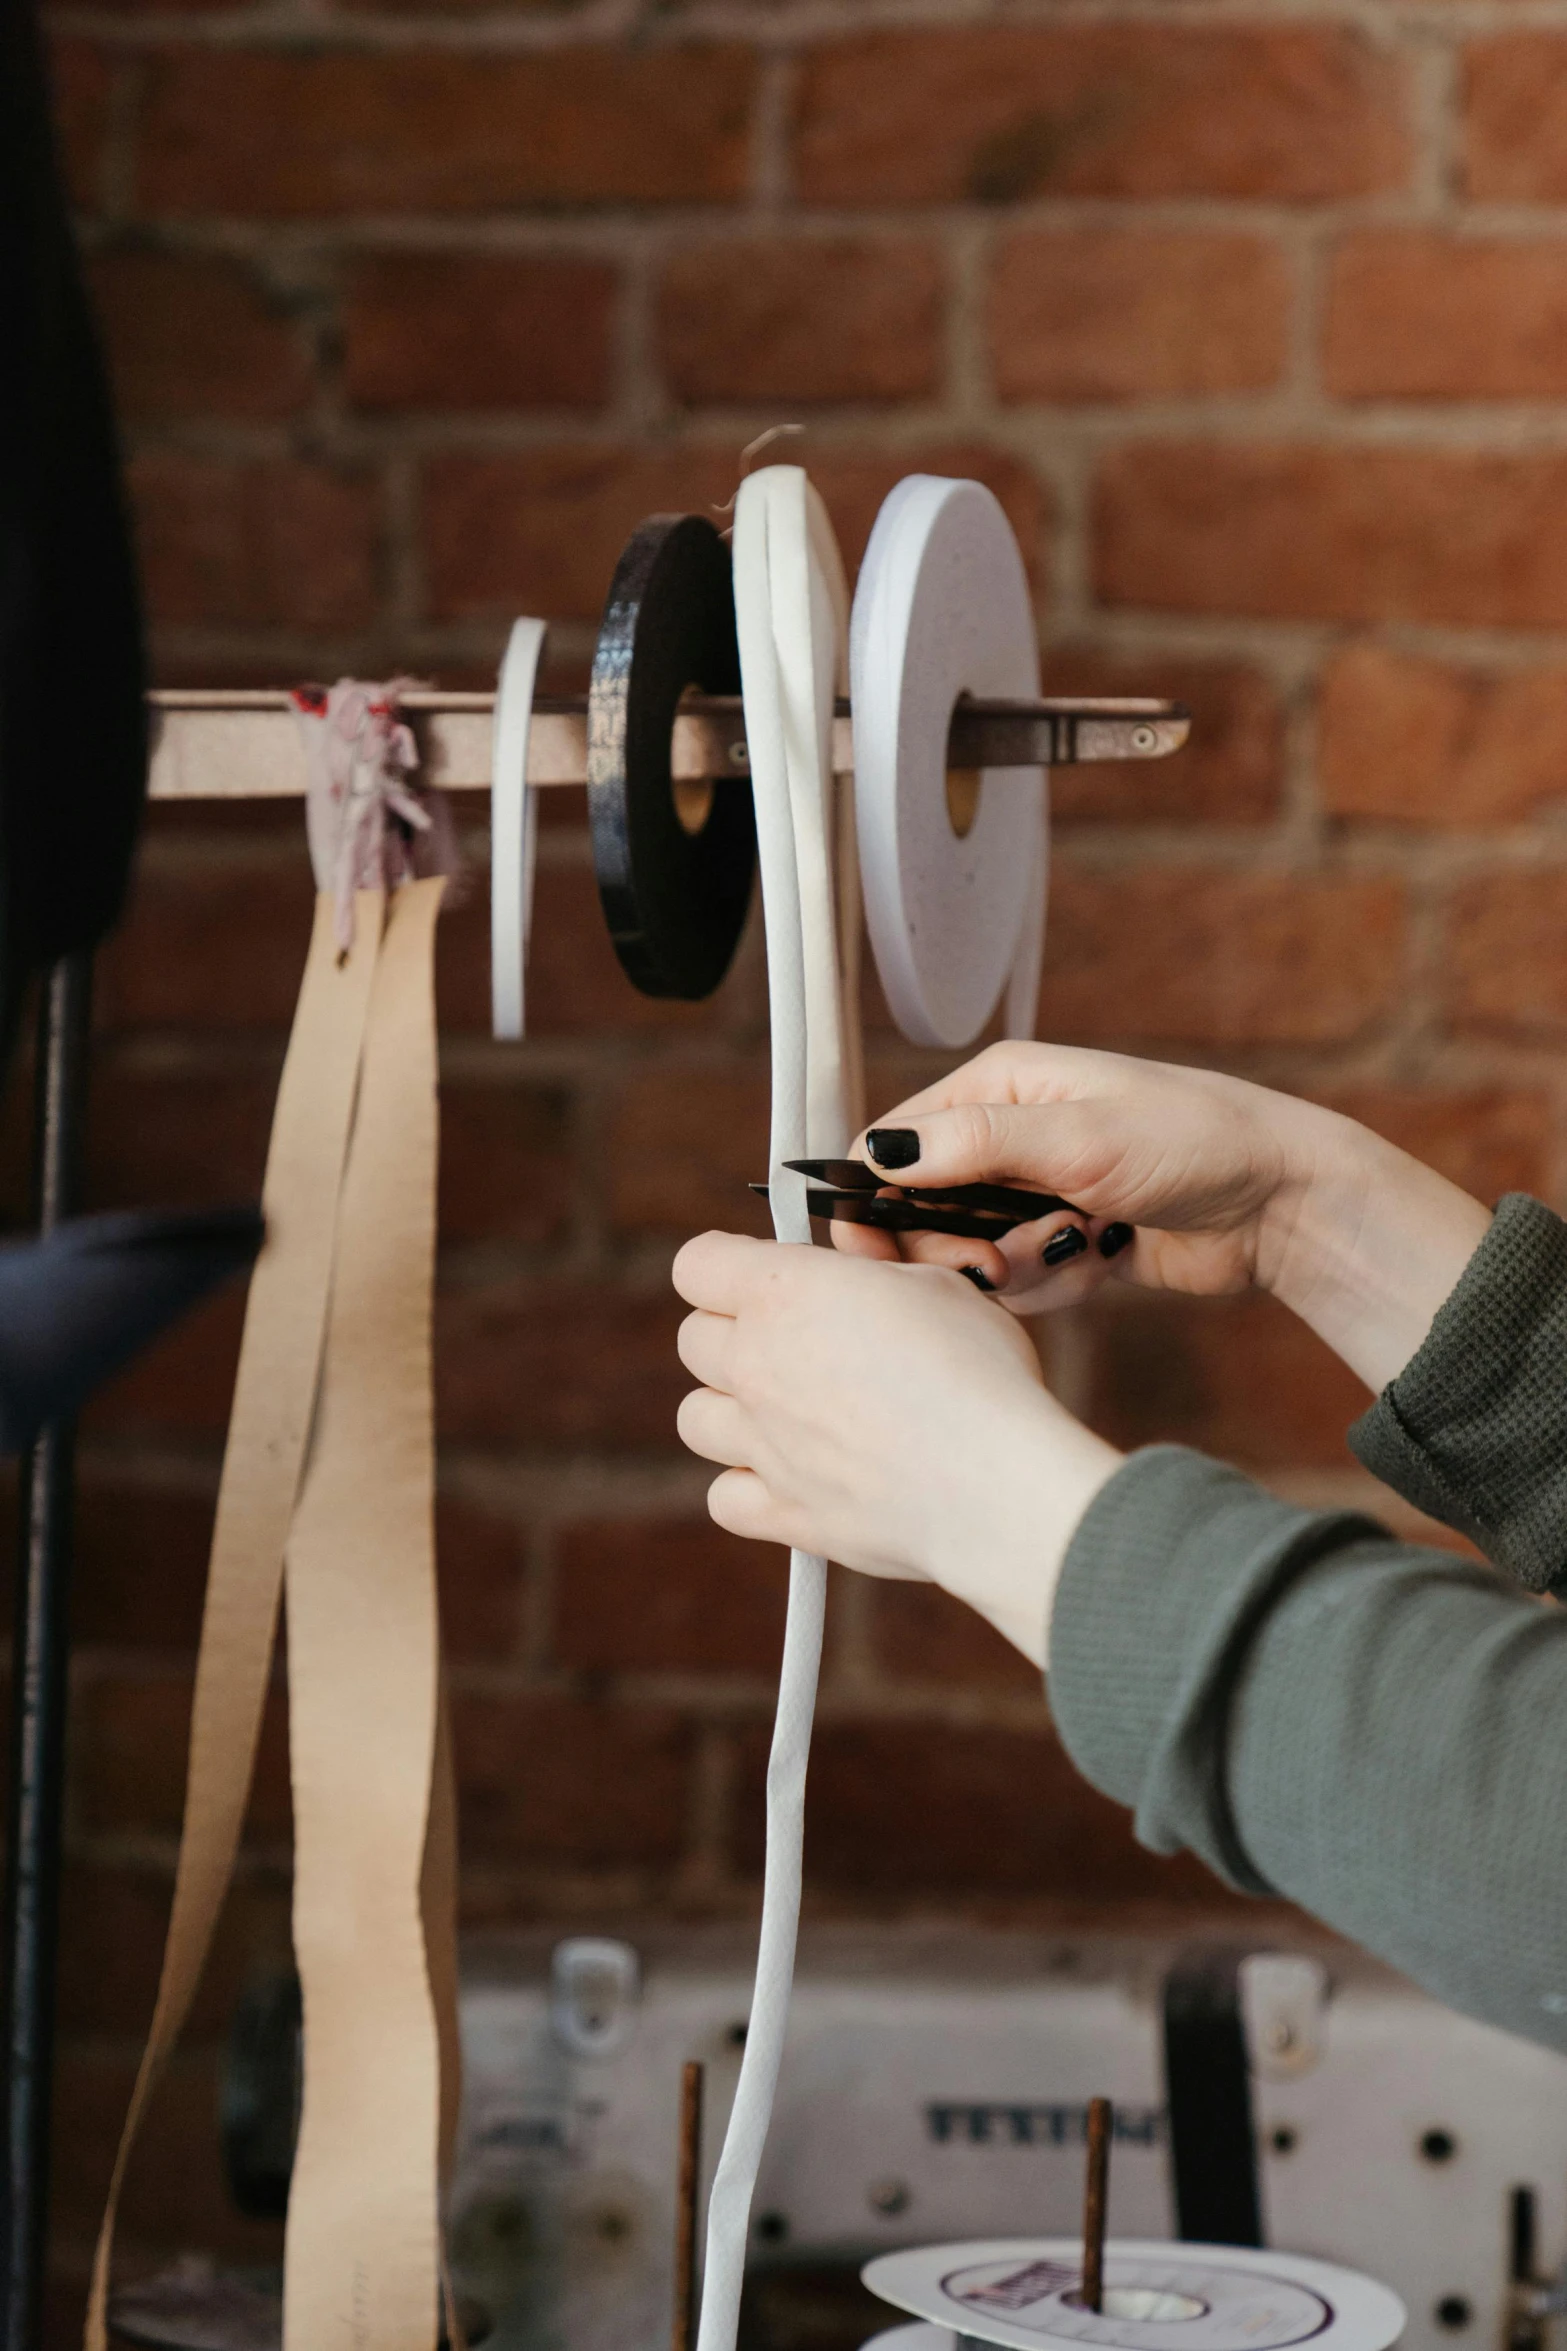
(244, 745)
(682, 2335)
(1095, 2199)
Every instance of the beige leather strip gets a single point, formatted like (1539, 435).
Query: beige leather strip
(362, 2267)
(274, 1397)
(438, 1903)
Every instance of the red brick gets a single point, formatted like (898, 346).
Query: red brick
(576, 986)
(1334, 534)
(161, 1138)
(242, 544)
(1136, 314)
(542, 530)
(670, 1596)
(685, 1145)
(1416, 314)
(1002, 113)
(506, 1167)
(188, 956)
(81, 78)
(549, 1779)
(141, 1564)
(286, 134)
(915, 1809)
(478, 331)
(194, 335)
(1515, 118)
(775, 318)
(1486, 1140)
(1231, 771)
(529, 1365)
(480, 1562)
(176, 2195)
(1186, 955)
(1505, 963)
(1410, 741)
(182, 1385)
(1239, 1377)
(919, 1633)
(128, 1774)
(125, 1913)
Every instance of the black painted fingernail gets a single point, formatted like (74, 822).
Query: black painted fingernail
(1114, 1239)
(1071, 1241)
(893, 1146)
(980, 1281)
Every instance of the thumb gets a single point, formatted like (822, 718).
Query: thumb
(1067, 1148)
(1058, 1147)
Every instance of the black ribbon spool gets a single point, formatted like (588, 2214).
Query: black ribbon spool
(675, 900)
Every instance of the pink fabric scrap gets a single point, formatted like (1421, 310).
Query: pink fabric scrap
(369, 825)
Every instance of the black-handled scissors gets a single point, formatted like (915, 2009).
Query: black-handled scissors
(971, 1212)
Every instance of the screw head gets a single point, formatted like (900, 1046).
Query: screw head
(889, 2197)
(1143, 738)
(1453, 2311)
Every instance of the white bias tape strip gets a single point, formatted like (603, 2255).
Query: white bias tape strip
(942, 609)
(514, 829)
(790, 606)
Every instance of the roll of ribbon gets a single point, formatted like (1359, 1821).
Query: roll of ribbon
(953, 869)
(514, 829)
(674, 874)
(790, 605)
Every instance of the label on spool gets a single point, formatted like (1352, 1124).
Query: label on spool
(1028, 2294)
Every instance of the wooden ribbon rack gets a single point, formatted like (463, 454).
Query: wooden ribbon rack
(216, 744)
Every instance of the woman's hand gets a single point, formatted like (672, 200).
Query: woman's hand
(886, 1416)
(1186, 1180)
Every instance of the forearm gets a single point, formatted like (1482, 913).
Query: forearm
(1363, 1242)
(1374, 1731)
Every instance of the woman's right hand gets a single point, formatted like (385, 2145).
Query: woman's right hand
(1187, 1180)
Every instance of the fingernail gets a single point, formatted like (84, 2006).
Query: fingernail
(980, 1281)
(893, 1146)
(1071, 1241)
(1114, 1239)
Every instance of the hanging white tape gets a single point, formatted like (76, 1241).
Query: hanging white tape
(514, 829)
(942, 609)
(790, 607)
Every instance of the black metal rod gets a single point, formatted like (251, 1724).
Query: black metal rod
(40, 1655)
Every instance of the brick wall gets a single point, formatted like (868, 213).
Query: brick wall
(1256, 320)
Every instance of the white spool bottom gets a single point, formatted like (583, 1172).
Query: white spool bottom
(1024, 2294)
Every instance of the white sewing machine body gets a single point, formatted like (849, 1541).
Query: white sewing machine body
(934, 2088)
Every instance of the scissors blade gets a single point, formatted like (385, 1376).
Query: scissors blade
(1009, 1200)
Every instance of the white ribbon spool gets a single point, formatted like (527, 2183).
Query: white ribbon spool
(790, 608)
(514, 829)
(943, 609)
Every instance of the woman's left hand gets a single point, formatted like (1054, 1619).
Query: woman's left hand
(887, 1416)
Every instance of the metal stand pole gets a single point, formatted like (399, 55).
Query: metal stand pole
(40, 1652)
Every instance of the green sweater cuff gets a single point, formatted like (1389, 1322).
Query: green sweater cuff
(1173, 1565)
(1474, 1429)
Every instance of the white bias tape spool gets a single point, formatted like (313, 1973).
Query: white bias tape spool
(943, 609)
(790, 608)
(1025, 2295)
(514, 829)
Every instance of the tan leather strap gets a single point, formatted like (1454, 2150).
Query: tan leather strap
(362, 2262)
(274, 1398)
